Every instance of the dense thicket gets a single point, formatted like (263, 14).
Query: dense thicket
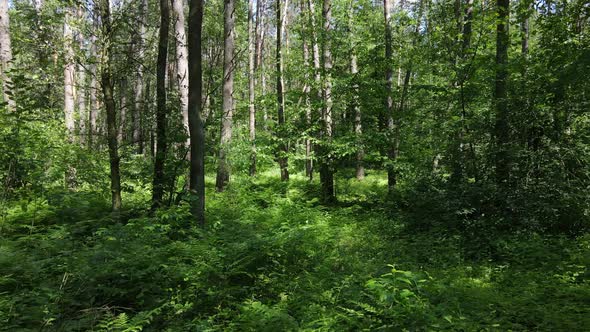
(259, 167)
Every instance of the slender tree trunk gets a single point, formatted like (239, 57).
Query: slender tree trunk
(109, 101)
(502, 130)
(283, 148)
(315, 48)
(391, 118)
(326, 162)
(525, 29)
(5, 55)
(197, 133)
(93, 107)
(69, 76)
(82, 110)
(251, 86)
(181, 62)
(123, 107)
(69, 91)
(306, 93)
(161, 112)
(259, 32)
(228, 95)
(82, 87)
(140, 104)
(356, 107)
(316, 60)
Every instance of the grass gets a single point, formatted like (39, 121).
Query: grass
(272, 258)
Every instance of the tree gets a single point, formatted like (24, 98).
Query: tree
(355, 104)
(6, 56)
(326, 133)
(197, 133)
(109, 101)
(251, 86)
(181, 61)
(306, 96)
(69, 94)
(283, 148)
(228, 95)
(140, 104)
(81, 82)
(161, 112)
(392, 129)
(501, 129)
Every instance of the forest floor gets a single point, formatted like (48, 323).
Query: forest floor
(272, 258)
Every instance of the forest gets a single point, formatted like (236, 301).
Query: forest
(295, 165)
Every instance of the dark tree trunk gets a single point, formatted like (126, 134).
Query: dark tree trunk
(195, 92)
(159, 177)
(109, 101)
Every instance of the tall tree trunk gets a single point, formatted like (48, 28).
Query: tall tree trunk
(391, 118)
(140, 104)
(69, 76)
(69, 91)
(306, 95)
(81, 80)
(228, 95)
(123, 107)
(502, 129)
(283, 148)
(197, 132)
(356, 107)
(181, 62)
(259, 33)
(93, 107)
(326, 162)
(109, 101)
(315, 50)
(159, 177)
(251, 86)
(5, 55)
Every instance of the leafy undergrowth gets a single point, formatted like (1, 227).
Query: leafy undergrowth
(273, 259)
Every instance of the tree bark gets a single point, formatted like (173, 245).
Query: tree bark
(69, 76)
(139, 103)
(315, 50)
(391, 119)
(251, 86)
(228, 96)
(82, 87)
(502, 130)
(197, 133)
(6, 56)
(306, 93)
(93, 107)
(283, 148)
(356, 107)
(109, 101)
(326, 162)
(69, 91)
(181, 62)
(161, 112)
(259, 33)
